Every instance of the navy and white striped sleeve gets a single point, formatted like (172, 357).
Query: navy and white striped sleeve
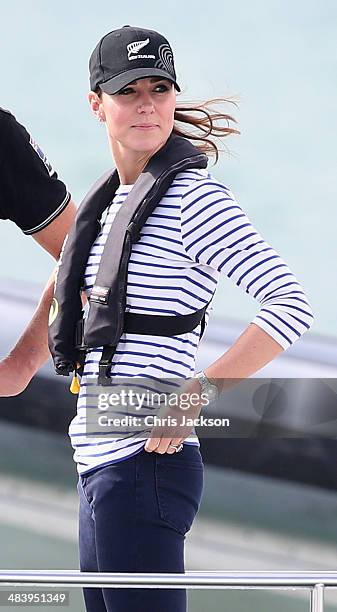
(217, 232)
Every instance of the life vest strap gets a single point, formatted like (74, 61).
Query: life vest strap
(159, 325)
(162, 325)
(104, 367)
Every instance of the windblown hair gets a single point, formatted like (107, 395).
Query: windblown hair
(204, 124)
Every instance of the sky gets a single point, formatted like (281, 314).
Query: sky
(278, 59)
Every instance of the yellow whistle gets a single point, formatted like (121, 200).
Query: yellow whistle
(75, 385)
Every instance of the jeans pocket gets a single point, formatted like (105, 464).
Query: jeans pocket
(179, 486)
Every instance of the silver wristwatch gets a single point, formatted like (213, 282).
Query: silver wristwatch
(207, 387)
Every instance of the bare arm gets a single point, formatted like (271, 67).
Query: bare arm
(51, 238)
(249, 353)
(31, 350)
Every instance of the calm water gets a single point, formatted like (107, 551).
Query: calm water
(279, 58)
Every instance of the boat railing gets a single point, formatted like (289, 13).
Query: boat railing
(316, 582)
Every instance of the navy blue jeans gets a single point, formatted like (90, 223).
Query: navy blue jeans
(134, 515)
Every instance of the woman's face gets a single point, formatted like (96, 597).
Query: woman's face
(140, 116)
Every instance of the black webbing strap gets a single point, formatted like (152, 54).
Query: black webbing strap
(162, 325)
(159, 325)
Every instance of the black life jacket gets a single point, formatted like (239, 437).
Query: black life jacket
(70, 335)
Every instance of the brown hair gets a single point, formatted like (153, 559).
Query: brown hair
(204, 124)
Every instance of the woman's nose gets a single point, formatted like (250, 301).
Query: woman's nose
(145, 104)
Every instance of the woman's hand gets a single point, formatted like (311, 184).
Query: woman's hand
(172, 428)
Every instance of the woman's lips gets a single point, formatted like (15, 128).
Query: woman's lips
(145, 127)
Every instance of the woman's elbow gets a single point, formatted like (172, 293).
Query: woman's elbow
(309, 315)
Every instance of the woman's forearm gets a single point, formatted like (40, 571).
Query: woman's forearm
(249, 353)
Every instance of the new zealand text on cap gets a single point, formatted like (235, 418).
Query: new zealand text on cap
(128, 54)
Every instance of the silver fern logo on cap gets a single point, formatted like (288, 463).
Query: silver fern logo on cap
(165, 60)
(134, 47)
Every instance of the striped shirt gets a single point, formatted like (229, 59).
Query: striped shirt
(196, 232)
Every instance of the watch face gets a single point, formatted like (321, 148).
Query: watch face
(212, 392)
(207, 387)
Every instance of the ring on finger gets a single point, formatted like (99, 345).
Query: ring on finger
(177, 448)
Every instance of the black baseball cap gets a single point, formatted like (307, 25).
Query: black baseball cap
(128, 54)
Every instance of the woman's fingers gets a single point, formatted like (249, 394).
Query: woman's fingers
(170, 429)
(162, 444)
(152, 444)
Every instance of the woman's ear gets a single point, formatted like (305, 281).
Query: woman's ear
(96, 105)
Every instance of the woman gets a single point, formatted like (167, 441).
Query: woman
(139, 495)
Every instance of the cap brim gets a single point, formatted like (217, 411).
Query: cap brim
(113, 85)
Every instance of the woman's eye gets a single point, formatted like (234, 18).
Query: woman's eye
(126, 90)
(163, 87)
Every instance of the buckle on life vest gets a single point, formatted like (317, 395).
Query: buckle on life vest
(104, 368)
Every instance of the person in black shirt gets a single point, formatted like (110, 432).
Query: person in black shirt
(37, 201)
(31, 195)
